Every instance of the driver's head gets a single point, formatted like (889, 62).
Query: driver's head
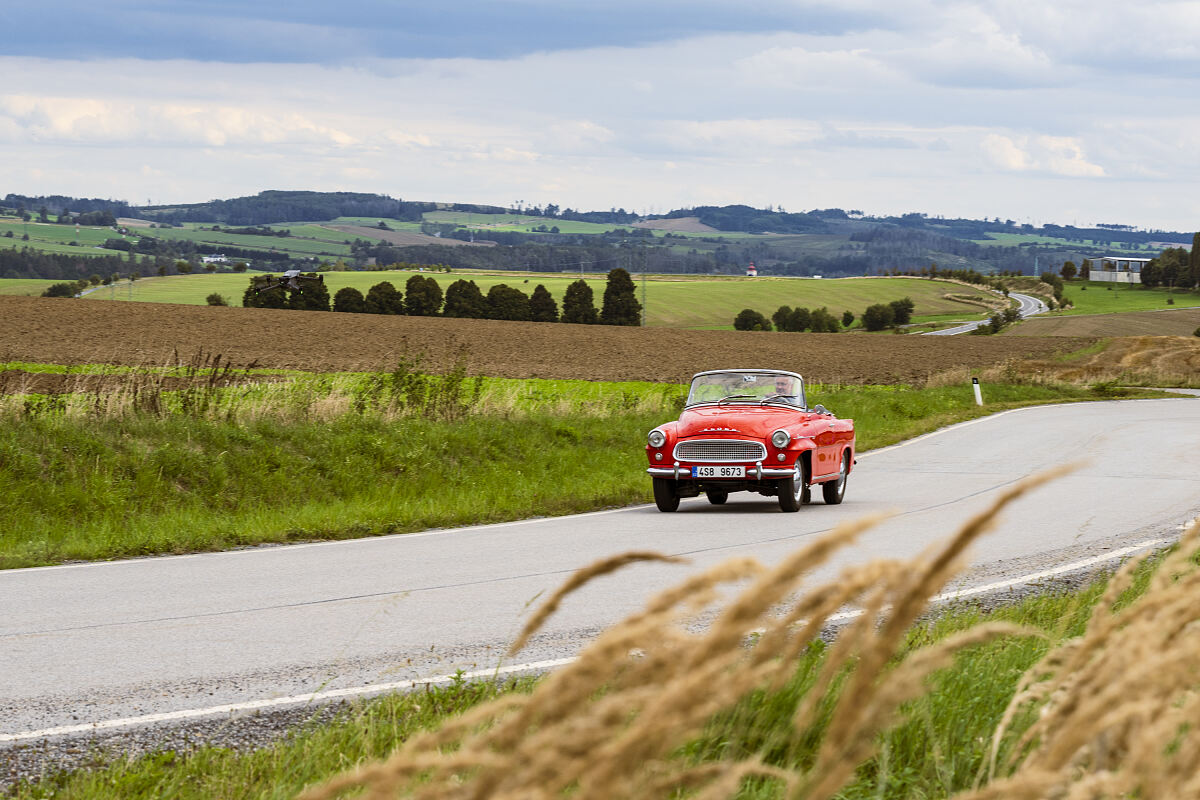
(783, 385)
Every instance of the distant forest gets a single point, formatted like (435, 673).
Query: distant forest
(857, 244)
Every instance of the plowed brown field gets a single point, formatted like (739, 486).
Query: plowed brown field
(65, 331)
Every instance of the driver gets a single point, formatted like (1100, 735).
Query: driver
(785, 388)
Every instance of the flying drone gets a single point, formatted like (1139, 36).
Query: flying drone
(291, 279)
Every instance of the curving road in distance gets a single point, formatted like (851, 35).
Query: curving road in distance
(107, 643)
(1028, 306)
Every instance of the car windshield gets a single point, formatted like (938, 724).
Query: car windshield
(746, 387)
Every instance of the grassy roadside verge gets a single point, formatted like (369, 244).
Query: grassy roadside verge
(936, 746)
(346, 456)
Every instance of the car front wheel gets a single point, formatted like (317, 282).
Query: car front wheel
(793, 492)
(664, 495)
(834, 491)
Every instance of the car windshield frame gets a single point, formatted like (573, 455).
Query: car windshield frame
(743, 387)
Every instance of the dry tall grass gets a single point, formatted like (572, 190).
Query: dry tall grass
(1118, 706)
(1132, 360)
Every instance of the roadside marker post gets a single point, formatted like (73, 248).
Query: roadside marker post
(978, 395)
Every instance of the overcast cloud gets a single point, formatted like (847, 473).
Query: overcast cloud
(1071, 113)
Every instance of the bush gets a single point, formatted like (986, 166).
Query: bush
(750, 320)
(847, 319)
(60, 290)
(1170, 301)
(878, 317)
(824, 322)
(800, 320)
(1196, 332)
(215, 299)
(902, 310)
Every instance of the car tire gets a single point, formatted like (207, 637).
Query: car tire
(793, 492)
(716, 496)
(664, 495)
(835, 491)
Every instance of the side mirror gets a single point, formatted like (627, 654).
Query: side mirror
(820, 409)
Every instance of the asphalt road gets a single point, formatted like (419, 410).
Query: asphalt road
(1029, 305)
(85, 644)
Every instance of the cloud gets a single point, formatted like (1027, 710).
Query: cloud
(1005, 153)
(803, 103)
(88, 120)
(1057, 155)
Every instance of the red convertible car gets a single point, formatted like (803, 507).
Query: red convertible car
(750, 430)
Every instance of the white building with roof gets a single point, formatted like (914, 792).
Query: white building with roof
(1117, 269)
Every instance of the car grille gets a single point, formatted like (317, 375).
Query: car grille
(720, 450)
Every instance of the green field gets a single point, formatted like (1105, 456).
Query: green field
(1116, 298)
(331, 245)
(670, 301)
(1015, 239)
(51, 233)
(32, 287)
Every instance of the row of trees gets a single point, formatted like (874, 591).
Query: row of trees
(423, 297)
(797, 320)
(1174, 267)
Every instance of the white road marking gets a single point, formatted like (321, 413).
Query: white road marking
(532, 666)
(277, 702)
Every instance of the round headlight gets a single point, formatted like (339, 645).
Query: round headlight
(656, 438)
(780, 439)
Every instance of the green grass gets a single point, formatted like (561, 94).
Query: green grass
(936, 747)
(671, 301)
(26, 286)
(1097, 298)
(998, 239)
(328, 246)
(54, 233)
(280, 462)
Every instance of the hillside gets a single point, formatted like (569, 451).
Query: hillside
(51, 237)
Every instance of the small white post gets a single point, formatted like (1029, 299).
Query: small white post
(978, 396)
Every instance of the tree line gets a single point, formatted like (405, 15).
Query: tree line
(422, 296)
(876, 317)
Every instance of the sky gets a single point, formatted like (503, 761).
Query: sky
(1070, 112)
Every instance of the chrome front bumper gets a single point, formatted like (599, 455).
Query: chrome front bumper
(758, 472)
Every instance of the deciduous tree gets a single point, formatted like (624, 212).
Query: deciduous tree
(506, 302)
(384, 298)
(878, 316)
(750, 320)
(349, 300)
(423, 297)
(902, 310)
(465, 301)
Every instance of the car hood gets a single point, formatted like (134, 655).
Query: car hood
(758, 422)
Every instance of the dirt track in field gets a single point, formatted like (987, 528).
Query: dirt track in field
(65, 331)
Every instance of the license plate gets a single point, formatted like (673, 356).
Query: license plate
(719, 472)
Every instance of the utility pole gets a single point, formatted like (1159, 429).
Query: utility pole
(643, 292)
